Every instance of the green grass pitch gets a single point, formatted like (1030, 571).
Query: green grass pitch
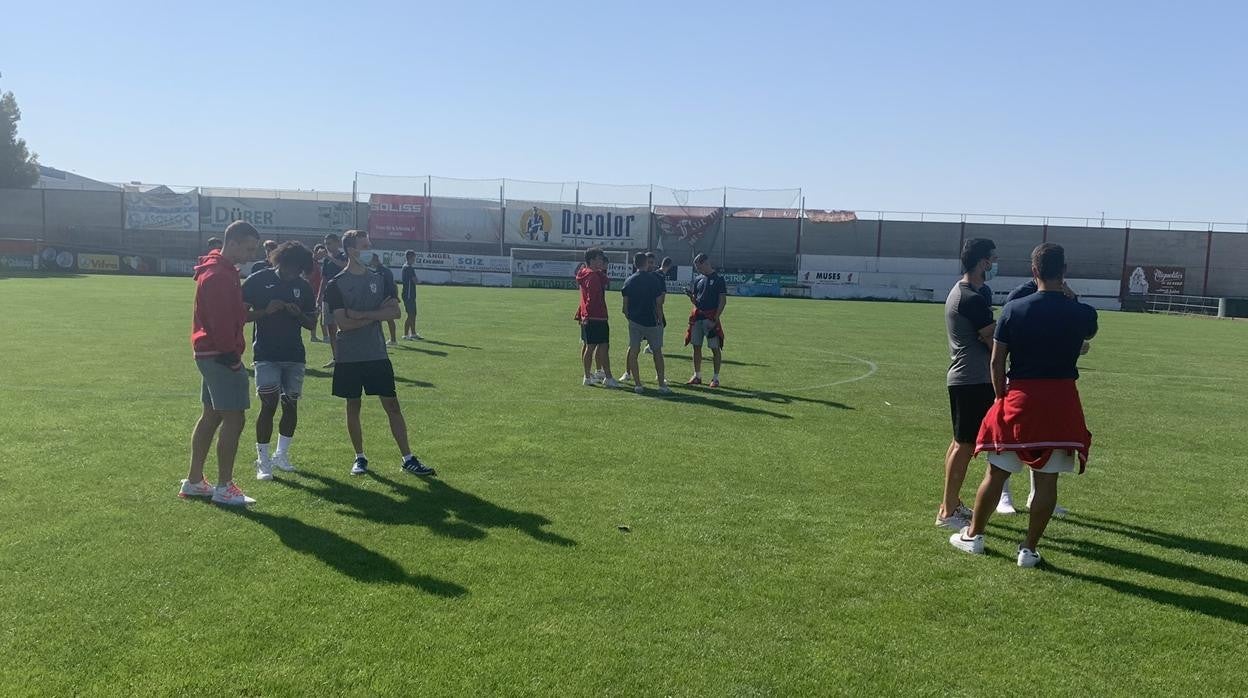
(780, 534)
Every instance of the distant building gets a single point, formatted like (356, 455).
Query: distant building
(52, 178)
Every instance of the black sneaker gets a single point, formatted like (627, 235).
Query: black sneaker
(360, 467)
(415, 467)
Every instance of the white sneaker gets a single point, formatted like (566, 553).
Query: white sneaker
(600, 375)
(639, 389)
(589, 382)
(649, 350)
(392, 343)
(973, 545)
(1006, 505)
(664, 389)
(610, 383)
(282, 462)
(231, 495)
(417, 337)
(1027, 557)
(203, 488)
(264, 470)
(626, 378)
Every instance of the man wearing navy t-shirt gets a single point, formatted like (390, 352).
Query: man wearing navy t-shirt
(1037, 420)
(278, 347)
(643, 306)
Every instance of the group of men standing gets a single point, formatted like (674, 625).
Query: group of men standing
(644, 295)
(1027, 417)
(279, 299)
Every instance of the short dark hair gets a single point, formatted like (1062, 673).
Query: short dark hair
(351, 237)
(1048, 261)
(700, 258)
(409, 254)
(975, 251)
(639, 260)
(651, 255)
(215, 243)
(594, 253)
(293, 253)
(270, 245)
(331, 236)
(667, 261)
(240, 230)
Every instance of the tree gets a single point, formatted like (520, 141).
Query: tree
(19, 168)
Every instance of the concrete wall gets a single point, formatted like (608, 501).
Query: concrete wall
(1174, 248)
(82, 210)
(472, 221)
(21, 213)
(1228, 265)
(923, 240)
(853, 239)
(761, 244)
(1091, 253)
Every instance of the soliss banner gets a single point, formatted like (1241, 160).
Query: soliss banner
(398, 217)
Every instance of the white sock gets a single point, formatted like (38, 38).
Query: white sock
(283, 443)
(406, 456)
(262, 450)
(716, 376)
(360, 455)
(697, 374)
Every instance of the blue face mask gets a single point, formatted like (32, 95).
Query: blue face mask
(991, 272)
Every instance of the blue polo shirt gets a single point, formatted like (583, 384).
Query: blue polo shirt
(1045, 332)
(278, 337)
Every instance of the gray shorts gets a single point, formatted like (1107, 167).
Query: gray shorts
(701, 333)
(327, 316)
(409, 306)
(653, 335)
(284, 377)
(223, 389)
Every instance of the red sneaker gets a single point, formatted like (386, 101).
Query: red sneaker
(714, 382)
(694, 381)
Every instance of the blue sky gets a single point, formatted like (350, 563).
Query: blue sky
(1060, 108)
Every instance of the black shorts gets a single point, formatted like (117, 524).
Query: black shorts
(371, 377)
(967, 405)
(596, 332)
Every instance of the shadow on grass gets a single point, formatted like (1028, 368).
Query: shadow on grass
(1149, 564)
(447, 344)
(774, 398)
(696, 398)
(430, 352)
(1161, 539)
(346, 556)
(707, 360)
(439, 507)
(1204, 605)
(413, 381)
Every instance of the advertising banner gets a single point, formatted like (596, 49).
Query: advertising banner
(157, 210)
(1140, 279)
(295, 216)
(828, 277)
(448, 261)
(99, 262)
(687, 225)
(398, 217)
(537, 224)
(181, 267)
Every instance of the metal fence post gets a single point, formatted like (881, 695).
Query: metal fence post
(502, 209)
(1208, 256)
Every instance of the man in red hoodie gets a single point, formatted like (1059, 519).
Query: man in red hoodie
(218, 343)
(592, 314)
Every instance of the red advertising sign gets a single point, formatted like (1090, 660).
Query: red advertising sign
(398, 217)
(1140, 279)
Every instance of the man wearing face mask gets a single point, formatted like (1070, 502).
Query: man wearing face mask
(969, 323)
